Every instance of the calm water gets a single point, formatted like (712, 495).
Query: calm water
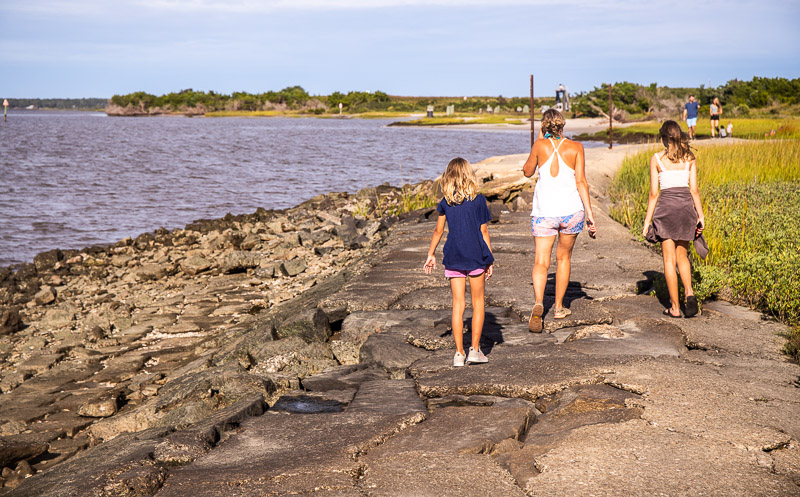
(73, 179)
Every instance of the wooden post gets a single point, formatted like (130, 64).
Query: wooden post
(610, 119)
(533, 135)
(5, 110)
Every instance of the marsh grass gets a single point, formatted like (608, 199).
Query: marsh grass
(742, 128)
(457, 120)
(750, 194)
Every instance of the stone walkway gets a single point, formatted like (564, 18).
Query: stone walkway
(614, 400)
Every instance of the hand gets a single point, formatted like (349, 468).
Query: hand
(701, 225)
(430, 264)
(592, 227)
(489, 271)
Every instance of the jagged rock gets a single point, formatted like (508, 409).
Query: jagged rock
(45, 296)
(152, 271)
(39, 363)
(99, 408)
(187, 445)
(293, 267)
(10, 321)
(195, 264)
(240, 261)
(110, 315)
(250, 242)
(94, 334)
(57, 317)
(19, 447)
(391, 351)
(311, 325)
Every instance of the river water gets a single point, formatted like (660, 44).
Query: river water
(74, 179)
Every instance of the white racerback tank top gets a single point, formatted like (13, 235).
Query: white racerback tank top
(674, 178)
(556, 196)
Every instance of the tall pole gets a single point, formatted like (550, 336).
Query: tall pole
(533, 135)
(610, 119)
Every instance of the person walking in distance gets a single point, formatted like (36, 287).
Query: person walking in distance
(467, 252)
(715, 111)
(561, 205)
(690, 115)
(676, 214)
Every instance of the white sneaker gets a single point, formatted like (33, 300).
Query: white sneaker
(458, 360)
(476, 357)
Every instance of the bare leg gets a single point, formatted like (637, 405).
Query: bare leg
(668, 251)
(684, 266)
(563, 266)
(541, 262)
(712, 129)
(458, 287)
(476, 286)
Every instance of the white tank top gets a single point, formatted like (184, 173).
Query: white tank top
(556, 196)
(675, 178)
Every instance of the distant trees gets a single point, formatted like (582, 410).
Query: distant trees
(638, 99)
(58, 103)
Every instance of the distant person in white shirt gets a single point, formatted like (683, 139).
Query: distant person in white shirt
(729, 129)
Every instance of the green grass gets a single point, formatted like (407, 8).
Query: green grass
(742, 128)
(750, 193)
(457, 120)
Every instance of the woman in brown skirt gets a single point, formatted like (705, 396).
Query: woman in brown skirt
(676, 214)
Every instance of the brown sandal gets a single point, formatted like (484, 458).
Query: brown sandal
(535, 322)
(561, 313)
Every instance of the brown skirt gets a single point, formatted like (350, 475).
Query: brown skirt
(675, 218)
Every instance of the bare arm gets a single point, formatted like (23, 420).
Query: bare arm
(685, 113)
(583, 188)
(531, 163)
(653, 197)
(438, 231)
(485, 233)
(698, 204)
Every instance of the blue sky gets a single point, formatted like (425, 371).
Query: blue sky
(96, 48)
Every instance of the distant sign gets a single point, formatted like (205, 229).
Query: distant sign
(341, 105)
(5, 103)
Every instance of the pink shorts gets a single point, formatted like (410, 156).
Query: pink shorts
(458, 273)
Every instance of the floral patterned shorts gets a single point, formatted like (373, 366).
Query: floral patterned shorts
(550, 226)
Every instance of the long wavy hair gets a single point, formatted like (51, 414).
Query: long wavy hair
(459, 181)
(553, 123)
(675, 141)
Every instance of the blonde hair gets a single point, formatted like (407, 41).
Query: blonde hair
(675, 141)
(459, 181)
(553, 122)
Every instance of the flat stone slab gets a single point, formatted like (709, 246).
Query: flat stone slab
(462, 429)
(653, 337)
(425, 474)
(382, 396)
(638, 458)
(524, 371)
(744, 402)
(280, 454)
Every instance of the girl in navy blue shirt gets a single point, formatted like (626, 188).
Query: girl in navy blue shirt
(467, 251)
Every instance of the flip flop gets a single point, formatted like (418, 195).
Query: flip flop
(691, 306)
(561, 313)
(535, 322)
(669, 314)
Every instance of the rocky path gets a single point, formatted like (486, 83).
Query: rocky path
(615, 399)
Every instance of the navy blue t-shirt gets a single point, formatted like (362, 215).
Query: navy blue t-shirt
(691, 109)
(465, 248)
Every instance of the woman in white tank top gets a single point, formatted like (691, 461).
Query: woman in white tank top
(676, 213)
(561, 205)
